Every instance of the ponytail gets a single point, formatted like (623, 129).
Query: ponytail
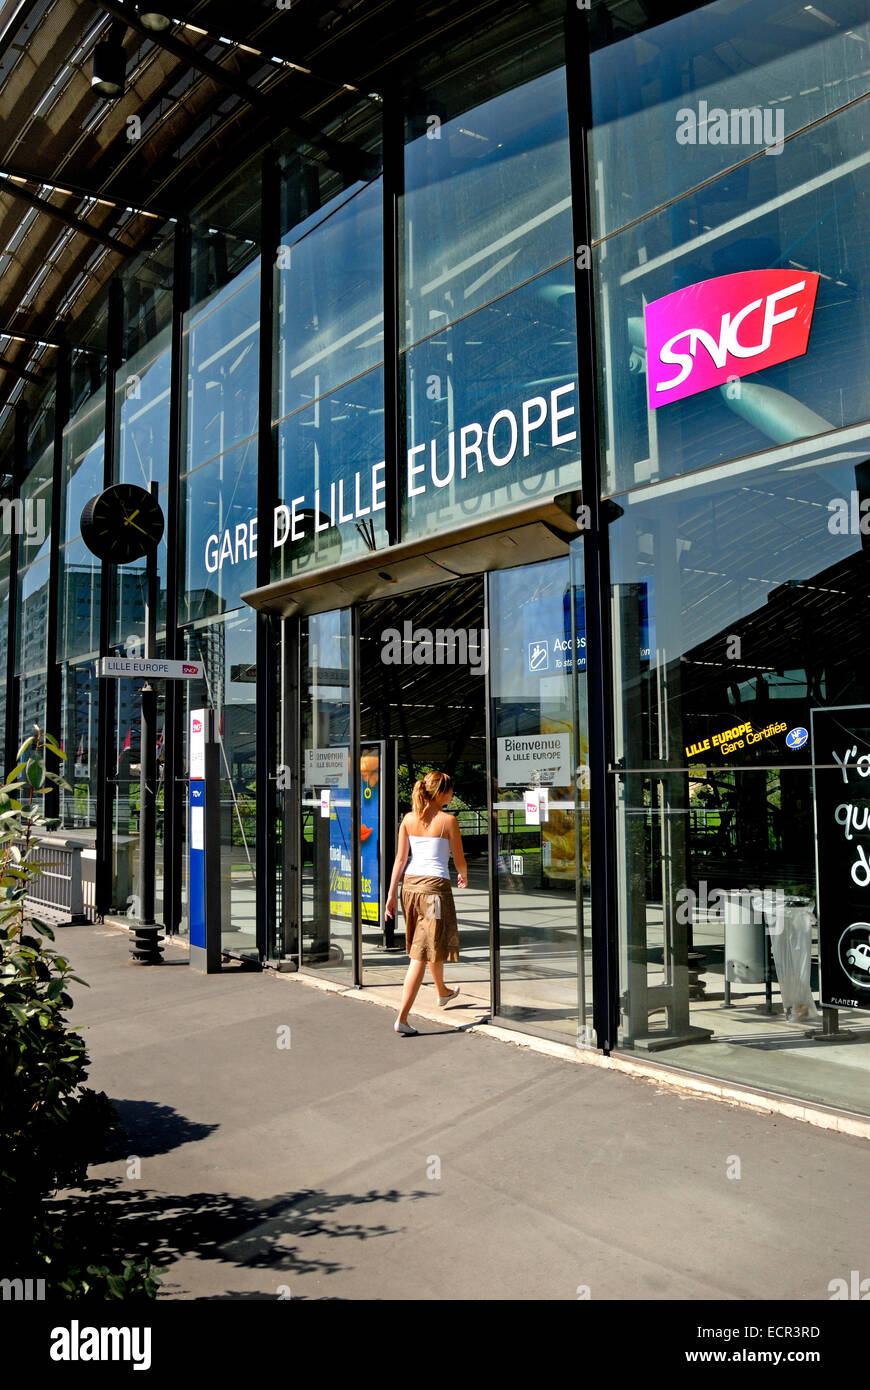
(427, 788)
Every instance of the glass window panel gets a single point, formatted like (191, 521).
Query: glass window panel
(332, 479)
(5, 557)
(801, 211)
(37, 509)
(740, 603)
(222, 338)
(489, 430)
(793, 63)
(539, 723)
(221, 533)
(227, 648)
(487, 200)
(331, 320)
(325, 656)
(79, 698)
(83, 457)
(80, 590)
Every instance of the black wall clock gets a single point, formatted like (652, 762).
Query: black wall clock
(123, 523)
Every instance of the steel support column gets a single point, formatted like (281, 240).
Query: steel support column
(54, 669)
(266, 866)
(174, 782)
(595, 547)
(13, 685)
(394, 407)
(106, 764)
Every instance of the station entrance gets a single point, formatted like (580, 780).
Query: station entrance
(423, 661)
(482, 677)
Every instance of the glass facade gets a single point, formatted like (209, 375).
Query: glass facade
(736, 589)
(441, 418)
(487, 241)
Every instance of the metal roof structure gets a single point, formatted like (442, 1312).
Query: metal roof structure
(85, 181)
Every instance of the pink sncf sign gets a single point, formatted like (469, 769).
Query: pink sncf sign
(728, 327)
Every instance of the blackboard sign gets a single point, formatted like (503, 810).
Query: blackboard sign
(841, 779)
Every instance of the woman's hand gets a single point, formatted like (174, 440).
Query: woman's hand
(390, 909)
(461, 881)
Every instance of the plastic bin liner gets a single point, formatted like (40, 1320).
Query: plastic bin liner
(790, 923)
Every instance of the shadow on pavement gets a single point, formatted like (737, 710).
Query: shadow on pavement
(238, 1231)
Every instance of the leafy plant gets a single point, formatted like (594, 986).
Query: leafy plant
(52, 1125)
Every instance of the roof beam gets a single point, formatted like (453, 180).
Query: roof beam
(7, 366)
(68, 218)
(347, 159)
(78, 190)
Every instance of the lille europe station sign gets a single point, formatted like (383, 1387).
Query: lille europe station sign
(712, 332)
(465, 453)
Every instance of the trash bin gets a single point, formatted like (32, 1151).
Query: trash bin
(745, 949)
(790, 921)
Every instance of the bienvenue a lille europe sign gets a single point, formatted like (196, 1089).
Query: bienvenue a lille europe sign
(471, 449)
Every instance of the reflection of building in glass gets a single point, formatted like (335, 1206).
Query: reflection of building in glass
(208, 645)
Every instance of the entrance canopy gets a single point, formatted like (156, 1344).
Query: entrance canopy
(537, 532)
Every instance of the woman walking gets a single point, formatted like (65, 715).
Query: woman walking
(431, 932)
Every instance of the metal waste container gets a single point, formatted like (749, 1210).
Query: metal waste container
(745, 946)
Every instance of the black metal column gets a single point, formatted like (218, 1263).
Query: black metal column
(267, 497)
(106, 764)
(393, 144)
(492, 815)
(354, 778)
(13, 685)
(595, 546)
(54, 670)
(291, 818)
(173, 769)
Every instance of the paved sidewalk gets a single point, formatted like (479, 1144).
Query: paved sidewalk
(357, 1164)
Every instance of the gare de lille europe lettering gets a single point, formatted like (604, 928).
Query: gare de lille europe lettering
(469, 450)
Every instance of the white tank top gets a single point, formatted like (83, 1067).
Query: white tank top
(429, 856)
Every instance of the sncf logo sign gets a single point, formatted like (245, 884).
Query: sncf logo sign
(736, 324)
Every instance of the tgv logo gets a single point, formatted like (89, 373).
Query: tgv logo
(726, 328)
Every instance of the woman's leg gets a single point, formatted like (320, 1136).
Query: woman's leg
(437, 968)
(413, 980)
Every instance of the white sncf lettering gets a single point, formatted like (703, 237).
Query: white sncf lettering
(728, 342)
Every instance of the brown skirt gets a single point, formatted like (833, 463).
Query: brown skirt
(431, 929)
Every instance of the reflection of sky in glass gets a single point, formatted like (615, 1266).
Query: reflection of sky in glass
(332, 324)
(803, 210)
(742, 535)
(487, 204)
(223, 335)
(778, 56)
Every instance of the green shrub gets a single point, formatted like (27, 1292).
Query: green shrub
(52, 1126)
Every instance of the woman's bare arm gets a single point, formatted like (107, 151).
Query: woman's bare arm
(404, 849)
(458, 852)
